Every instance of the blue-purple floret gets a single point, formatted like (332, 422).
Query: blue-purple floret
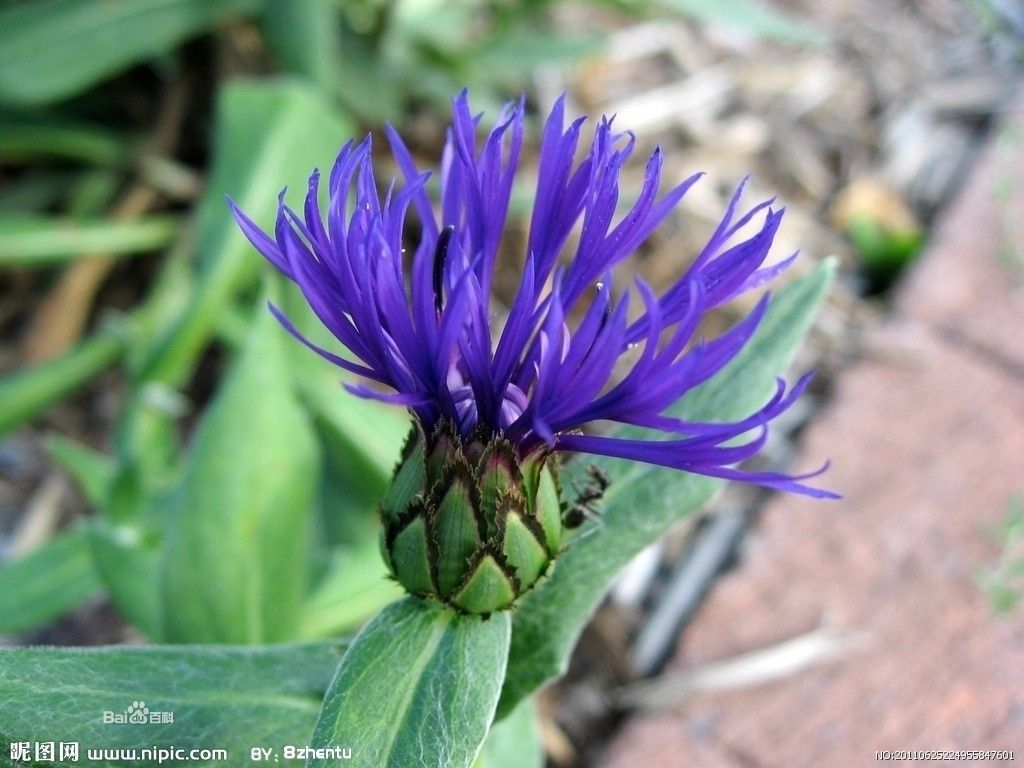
(428, 336)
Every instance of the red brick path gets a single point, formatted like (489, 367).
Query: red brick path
(927, 443)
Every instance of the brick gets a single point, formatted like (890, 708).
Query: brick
(926, 441)
(927, 452)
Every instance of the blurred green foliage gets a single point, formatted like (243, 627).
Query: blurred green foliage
(234, 500)
(1003, 583)
(261, 526)
(263, 530)
(53, 49)
(881, 251)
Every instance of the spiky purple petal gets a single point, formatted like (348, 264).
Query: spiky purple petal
(422, 326)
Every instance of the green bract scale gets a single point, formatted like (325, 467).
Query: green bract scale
(465, 524)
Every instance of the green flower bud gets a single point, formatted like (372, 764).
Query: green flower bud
(466, 524)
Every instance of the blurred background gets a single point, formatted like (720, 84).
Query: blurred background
(768, 631)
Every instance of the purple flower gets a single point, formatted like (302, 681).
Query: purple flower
(426, 332)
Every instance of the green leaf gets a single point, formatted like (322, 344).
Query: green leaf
(28, 137)
(51, 49)
(237, 554)
(47, 583)
(881, 250)
(269, 134)
(522, 50)
(37, 189)
(147, 436)
(353, 480)
(91, 470)
(224, 698)
(361, 438)
(368, 433)
(361, 443)
(514, 742)
(32, 240)
(26, 393)
(89, 196)
(364, 78)
(644, 501)
(418, 686)
(305, 35)
(148, 449)
(127, 558)
(356, 586)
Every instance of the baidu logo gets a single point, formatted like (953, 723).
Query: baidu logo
(137, 714)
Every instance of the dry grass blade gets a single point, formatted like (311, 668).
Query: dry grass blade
(763, 666)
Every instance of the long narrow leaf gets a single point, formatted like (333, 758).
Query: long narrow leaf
(51, 49)
(355, 587)
(127, 559)
(31, 240)
(362, 439)
(305, 35)
(643, 502)
(514, 742)
(91, 470)
(266, 131)
(24, 138)
(47, 583)
(237, 555)
(26, 393)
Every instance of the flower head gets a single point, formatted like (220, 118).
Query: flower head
(425, 331)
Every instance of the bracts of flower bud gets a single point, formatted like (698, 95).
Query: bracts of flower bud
(467, 524)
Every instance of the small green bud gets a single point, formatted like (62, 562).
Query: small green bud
(465, 524)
